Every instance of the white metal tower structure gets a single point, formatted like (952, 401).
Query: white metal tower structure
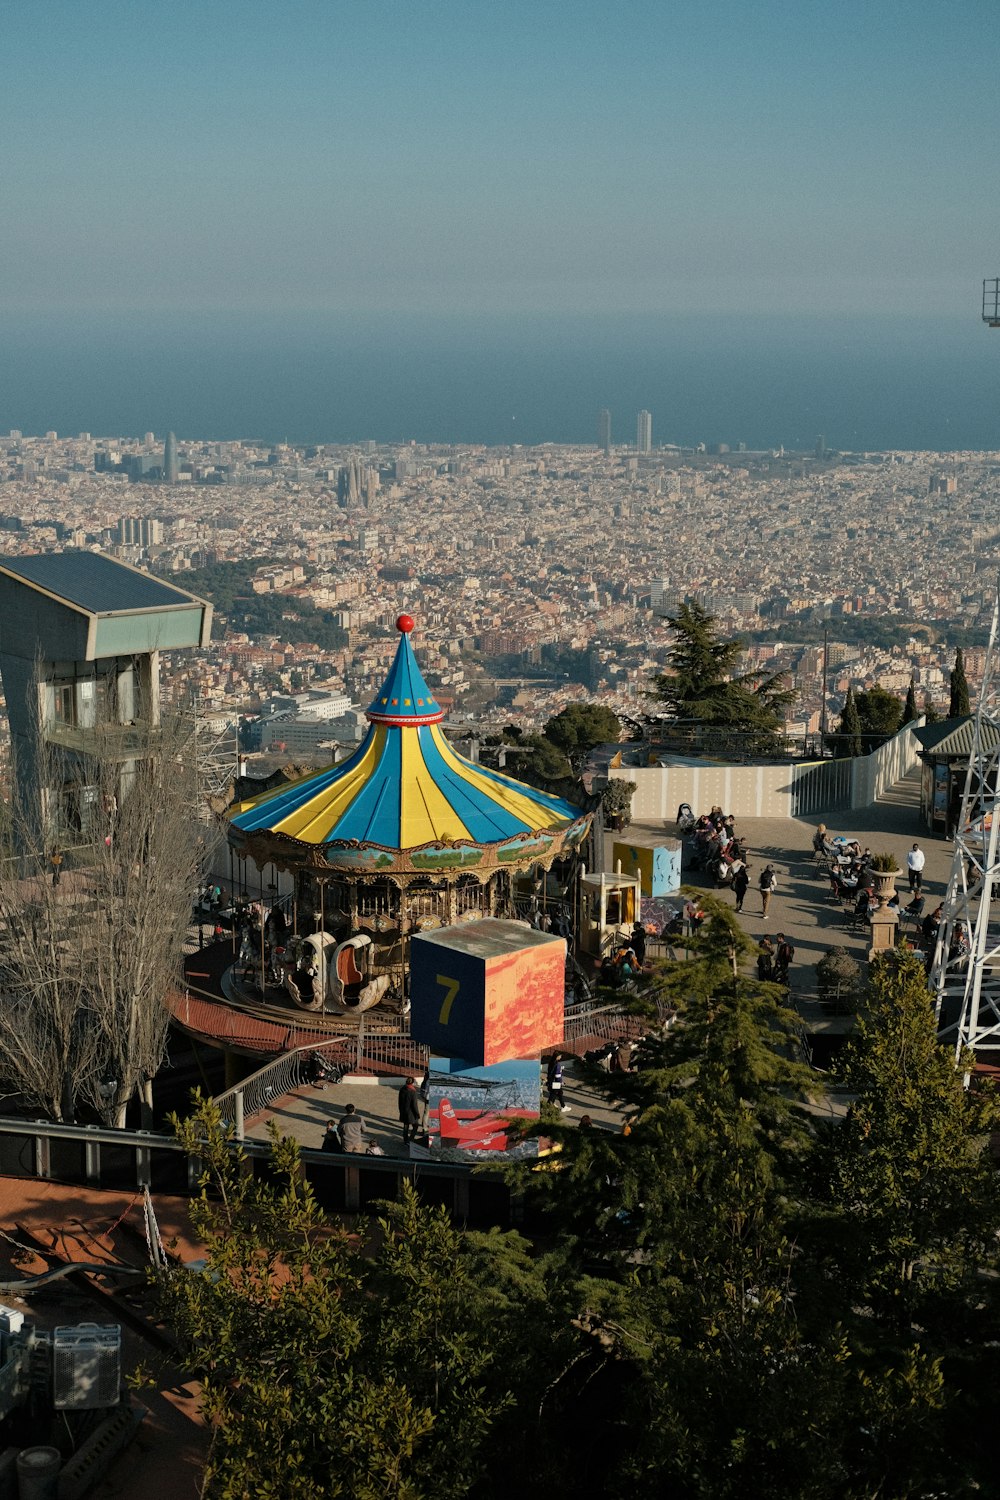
(965, 975)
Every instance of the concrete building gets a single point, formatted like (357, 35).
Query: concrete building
(644, 433)
(80, 646)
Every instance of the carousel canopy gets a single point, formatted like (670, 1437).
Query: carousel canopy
(405, 786)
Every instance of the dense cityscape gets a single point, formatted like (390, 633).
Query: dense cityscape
(543, 575)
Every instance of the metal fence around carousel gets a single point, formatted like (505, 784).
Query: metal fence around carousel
(293, 1070)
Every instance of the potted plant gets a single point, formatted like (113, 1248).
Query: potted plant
(616, 799)
(884, 870)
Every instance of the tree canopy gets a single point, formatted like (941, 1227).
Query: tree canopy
(700, 689)
(881, 716)
(579, 727)
(848, 741)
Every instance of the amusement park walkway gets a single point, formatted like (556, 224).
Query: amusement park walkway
(305, 1115)
(803, 907)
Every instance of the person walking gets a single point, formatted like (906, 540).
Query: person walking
(765, 959)
(915, 860)
(409, 1110)
(353, 1132)
(554, 1083)
(768, 884)
(741, 881)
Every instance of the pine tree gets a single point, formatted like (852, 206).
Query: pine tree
(699, 687)
(329, 1367)
(959, 703)
(916, 1191)
(849, 741)
(910, 706)
(717, 1352)
(879, 712)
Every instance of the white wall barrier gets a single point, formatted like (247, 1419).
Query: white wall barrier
(770, 791)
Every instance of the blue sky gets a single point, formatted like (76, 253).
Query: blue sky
(493, 156)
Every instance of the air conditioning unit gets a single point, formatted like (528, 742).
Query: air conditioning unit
(86, 1366)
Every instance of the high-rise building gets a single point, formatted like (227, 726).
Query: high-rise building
(604, 430)
(644, 433)
(170, 459)
(139, 531)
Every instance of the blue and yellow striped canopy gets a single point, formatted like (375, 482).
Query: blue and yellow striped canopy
(405, 786)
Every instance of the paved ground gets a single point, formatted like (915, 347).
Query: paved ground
(305, 1115)
(803, 907)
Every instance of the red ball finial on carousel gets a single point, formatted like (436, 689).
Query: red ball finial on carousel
(404, 623)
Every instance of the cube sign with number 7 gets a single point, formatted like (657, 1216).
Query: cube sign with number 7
(487, 991)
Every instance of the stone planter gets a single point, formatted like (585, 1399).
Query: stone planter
(884, 885)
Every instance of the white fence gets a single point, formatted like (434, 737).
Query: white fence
(770, 791)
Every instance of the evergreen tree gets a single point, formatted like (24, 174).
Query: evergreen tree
(849, 734)
(579, 727)
(931, 715)
(910, 706)
(958, 705)
(700, 690)
(880, 714)
(917, 1195)
(707, 1331)
(329, 1367)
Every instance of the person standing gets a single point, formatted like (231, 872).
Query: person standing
(424, 1098)
(353, 1132)
(55, 860)
(409, 1110)
(741, 881)
(783, 959)
(639, 943)
(768, 884)
(915, 860)
(765, 959)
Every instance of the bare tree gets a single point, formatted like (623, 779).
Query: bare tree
(95, 898)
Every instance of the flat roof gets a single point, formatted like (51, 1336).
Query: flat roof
(89, 581)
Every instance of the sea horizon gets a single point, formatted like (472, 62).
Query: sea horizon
(863, 383)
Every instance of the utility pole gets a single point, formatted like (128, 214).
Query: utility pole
(822, 712)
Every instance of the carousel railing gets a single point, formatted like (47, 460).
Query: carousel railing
(294, 1070)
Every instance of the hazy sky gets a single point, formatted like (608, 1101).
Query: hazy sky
(492, 155)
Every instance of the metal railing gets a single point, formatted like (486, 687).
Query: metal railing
(609, 1023)
(128, 1160)
(124, 741)
(284, 1075)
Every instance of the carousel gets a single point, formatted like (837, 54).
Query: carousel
(405, 836)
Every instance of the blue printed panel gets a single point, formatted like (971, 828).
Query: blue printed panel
(447, 999)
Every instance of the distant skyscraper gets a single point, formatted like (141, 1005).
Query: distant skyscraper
(170, 459)
(644, 433)
(604, 430)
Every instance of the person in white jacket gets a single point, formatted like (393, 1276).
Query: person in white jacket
(915, 868)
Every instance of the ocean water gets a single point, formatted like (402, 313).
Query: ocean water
(864, 383)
